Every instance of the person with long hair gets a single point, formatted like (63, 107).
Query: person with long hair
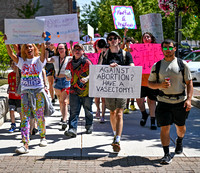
(147, 92)
(33, 96)
(61, 85)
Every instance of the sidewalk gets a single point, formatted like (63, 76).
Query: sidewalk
(141, 148)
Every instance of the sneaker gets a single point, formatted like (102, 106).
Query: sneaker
(12, 128)
(113, 140)
(71, 133)
(116, 147)
(153, 127)
(61, 121)
(43, 142)
(126, 111)
(21, 150)
(64, 125)
(98, 114)
(53, 101)
(166, 159)
(132, 107)
(102, 120)
(143, 120)
(179, 147)
(89, 130)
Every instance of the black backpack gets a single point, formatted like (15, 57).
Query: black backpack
(180, 64)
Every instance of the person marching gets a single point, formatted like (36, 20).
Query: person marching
(171, 76)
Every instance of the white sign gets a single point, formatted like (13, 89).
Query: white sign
(123, 17)
(115, 82)
(61, 28)
(88, 48)
(152, 23)
(90, 31)
(24, 31)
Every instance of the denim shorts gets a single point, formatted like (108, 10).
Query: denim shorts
(167, 114)
(61, 83)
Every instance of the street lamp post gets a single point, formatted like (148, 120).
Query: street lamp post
(176, 31)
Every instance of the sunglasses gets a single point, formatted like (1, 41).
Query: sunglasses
(77, 50)
(112, 38)
(61, 48)
(170, 48)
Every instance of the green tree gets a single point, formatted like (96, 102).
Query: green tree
(4, 58)
(28, 10)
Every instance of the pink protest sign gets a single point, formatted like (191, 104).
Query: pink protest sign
(146, 55)
(93, 57)
(123, 16)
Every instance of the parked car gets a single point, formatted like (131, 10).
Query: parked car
(192, 55)
(194, 66)
(184, 49)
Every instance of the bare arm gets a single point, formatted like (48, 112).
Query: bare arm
(124, 38)
(49, 60)
(155, 85)
(42, 56)
(187, 103)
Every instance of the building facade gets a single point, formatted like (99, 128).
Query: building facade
(50, 7)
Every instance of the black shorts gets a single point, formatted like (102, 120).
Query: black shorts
(14, 105)
(50, 71)
(167, 114)
(148, 92)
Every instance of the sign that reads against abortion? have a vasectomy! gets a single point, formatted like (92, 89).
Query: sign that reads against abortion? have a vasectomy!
(123, 16)
(115, 82)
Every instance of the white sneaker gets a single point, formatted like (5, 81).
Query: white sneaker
(21, 150)
(43, 142)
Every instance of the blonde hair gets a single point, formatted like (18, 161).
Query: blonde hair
(23, 54)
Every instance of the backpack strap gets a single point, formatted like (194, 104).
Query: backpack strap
(157, 70)
(181, 66)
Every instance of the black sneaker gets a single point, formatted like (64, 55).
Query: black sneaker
(179, 147)
(113, 140)
(34, 131)
(71, 133)
(143, 120)
(167, 159)
(64, 125)
(89, 130)
(53, 101)
(153, 127)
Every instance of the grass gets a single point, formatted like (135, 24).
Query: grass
(3, 81)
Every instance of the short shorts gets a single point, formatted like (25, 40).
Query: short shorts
(114, 103)
(14, 105)
(61, 83)
(167, 114)
(148, 92)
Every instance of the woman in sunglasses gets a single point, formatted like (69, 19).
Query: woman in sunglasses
(61, 85)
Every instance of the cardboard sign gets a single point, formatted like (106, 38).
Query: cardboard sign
(94, 57)
(24, 31)
(115, 82)
(146, 55)
(123, 16)
(61, 28)
(88, 48)
(152, 23)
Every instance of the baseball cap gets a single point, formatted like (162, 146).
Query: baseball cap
(113, 33)
(78, 45)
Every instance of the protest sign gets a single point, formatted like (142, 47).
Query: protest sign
(115, 82)
(88, 48)
(61, 28)
(146, 55)
(24, 31)
(94, 57)
(90, 31)
(152, 23)
(123, 16)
